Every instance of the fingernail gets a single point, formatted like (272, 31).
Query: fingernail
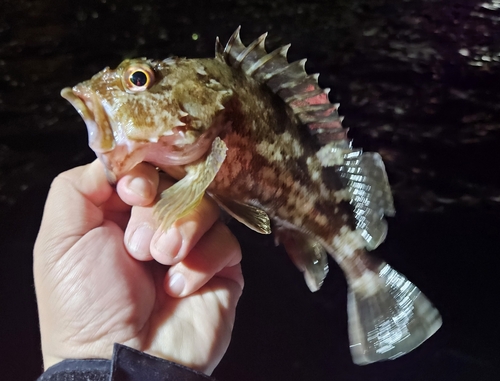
(169, 243)
(176, 284)
(140, 240)
(139, 186)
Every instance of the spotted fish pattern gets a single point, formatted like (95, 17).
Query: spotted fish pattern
(258, 135)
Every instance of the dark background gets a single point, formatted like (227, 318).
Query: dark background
(418, 81)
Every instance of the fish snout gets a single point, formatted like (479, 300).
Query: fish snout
(88, 105)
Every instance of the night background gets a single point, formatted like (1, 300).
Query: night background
(418, 81)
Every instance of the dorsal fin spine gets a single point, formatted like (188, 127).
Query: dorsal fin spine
(235, 36)
(267, 69)
(219, 50)
(262, 61)
(249, 48)
(291, 74)
(233, 47)
(291, 83)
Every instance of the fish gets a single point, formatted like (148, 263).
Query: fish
(260, 136)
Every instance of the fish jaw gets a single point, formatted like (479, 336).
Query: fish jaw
(119, 153)
(100, 133)
(117, 158)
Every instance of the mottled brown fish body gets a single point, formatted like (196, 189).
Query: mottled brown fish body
(260, 136)
(276, 172)
(271, 159)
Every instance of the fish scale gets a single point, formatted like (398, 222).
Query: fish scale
(260, 136)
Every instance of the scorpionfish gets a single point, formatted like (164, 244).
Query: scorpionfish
(258, 135)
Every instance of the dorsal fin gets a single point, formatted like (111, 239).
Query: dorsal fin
(363, 175)
(291, 83)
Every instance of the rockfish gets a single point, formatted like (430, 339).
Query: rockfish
(258, 135)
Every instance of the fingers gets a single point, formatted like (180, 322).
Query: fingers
(173, 246)
(139, 233)
(217, 253)
(139, 186)
(197, 246)
(145, 242)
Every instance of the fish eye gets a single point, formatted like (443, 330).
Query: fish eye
(138, 77)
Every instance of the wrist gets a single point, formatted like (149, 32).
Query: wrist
(66, 352)
(49, 361)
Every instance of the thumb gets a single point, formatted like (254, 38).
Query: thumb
(72, 209)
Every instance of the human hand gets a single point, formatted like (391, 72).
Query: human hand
(96, 285)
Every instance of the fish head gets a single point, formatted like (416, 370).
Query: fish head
(162, 112)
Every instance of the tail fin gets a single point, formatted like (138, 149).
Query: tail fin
(388, 316)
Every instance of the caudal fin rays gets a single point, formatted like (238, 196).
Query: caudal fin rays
(388, 316)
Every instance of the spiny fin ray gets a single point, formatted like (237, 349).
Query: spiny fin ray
(269, 64)
(246, 53)
(289, 81)
(219, 50)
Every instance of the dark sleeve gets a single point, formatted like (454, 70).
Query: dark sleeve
(127, 364)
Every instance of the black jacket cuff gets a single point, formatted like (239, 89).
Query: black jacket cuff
(127, 364)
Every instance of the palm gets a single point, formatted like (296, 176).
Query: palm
(198, 326)
(93, 292)
(135, 310)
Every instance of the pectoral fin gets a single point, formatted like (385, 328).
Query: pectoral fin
(249, 215)
(186, 194)
(307, 254)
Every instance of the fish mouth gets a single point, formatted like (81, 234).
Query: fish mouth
(86, 103)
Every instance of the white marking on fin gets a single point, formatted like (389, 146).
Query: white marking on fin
(365, 178)
(268, 57)
(331, 155)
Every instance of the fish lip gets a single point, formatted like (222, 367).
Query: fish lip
(78, 103)
(85, 102)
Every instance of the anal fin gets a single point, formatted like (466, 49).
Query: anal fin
(307, 254)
